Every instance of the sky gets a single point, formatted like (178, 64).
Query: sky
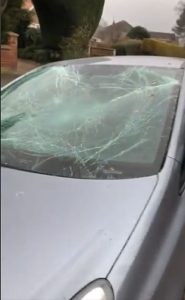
(155, 15)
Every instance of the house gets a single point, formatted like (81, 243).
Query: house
(96, 39)
(113, 33)
(164, 36)
(181, 40)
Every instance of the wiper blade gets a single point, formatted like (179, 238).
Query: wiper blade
(11, 121)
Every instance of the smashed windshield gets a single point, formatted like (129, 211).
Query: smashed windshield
(90, 121)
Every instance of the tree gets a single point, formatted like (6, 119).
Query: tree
(179, 29)
(60, 19)
(9, 17)
(139, 33)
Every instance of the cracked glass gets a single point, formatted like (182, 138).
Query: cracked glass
(89, 121)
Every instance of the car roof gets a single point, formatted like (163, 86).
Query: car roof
(147, 61)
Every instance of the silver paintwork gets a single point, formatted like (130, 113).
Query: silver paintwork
(60, 234)
(152, 266)
(152, 61)
(176, 147)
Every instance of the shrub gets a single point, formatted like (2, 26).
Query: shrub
(24, 21)
(138, 32)
(129, 47)
(120, 49)
(26, 53)
(159, 48)
(44, 55)
(33, 37)
(39, 55)
(76, 46)
(15, 19)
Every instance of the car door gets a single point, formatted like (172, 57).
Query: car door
(182, 194)
(182, 179)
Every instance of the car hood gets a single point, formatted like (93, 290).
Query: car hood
(59, 234)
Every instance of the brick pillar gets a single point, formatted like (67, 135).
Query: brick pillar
(5, 56)
(12, 41)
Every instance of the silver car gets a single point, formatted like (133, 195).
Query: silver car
(93, 181)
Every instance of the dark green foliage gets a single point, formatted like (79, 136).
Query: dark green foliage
(43, 55)
(66, 27)
(39, 55)
(22, 25)
(11, 16)
(138, 32)
(33, 43)
(76, 45)
(33, 37)
(16, 20)
(120, 49)
(130, 47)
(59, 19)
(34, 50)
(26, 53)
(179, 29)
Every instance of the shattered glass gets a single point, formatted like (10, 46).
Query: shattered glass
(89, 121)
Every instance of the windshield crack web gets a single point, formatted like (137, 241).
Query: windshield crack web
(91, 118)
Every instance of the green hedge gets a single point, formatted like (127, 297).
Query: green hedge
(26, 53)
(39, 55)
(159, 48)
(129, 47)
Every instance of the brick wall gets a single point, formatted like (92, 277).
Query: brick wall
(5, 56)
(9, 52)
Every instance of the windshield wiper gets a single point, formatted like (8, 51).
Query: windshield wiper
(11, 121)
